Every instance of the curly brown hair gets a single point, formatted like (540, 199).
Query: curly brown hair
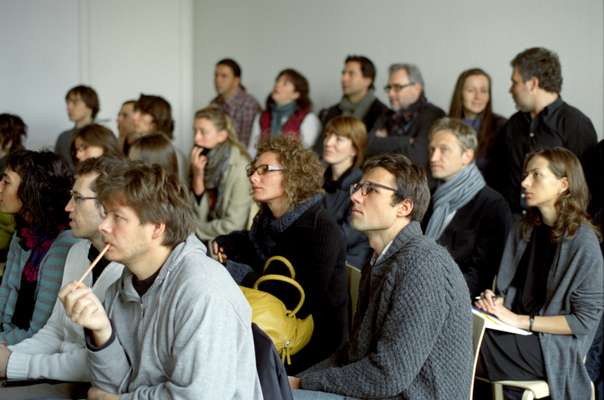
(303, 173)
(571, 205)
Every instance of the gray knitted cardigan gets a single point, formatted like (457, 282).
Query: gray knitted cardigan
(574, 288)
(412, 334)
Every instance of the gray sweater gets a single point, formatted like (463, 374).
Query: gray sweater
(574, 289)
(188, 337)
(412, 334)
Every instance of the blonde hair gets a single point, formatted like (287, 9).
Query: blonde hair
(222, 122)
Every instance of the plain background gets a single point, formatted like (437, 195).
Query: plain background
(125, 47)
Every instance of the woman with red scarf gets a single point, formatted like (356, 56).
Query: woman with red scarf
(35, 187)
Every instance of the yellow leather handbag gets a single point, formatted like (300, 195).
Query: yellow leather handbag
(288, 333)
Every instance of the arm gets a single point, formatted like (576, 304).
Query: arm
(581, 135)
(198, 164)
(309, 130)
(49, 283)
(234, 210)
(405, 326)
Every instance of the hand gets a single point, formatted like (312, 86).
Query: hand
(294, 382)
(489, 302)
(198, 161)
(85, 309)
(97, 394)
(219, 253)
(4, 356)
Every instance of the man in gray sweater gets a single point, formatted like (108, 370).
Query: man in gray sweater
(412, 333)
(175, 325)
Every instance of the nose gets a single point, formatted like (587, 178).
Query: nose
(434, 155)
(105, 225)
(329, 140)
(356, 197)
(526, 182)
(254, 178)
(70, 205)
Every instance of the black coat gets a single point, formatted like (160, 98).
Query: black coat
(413, 142)
(338, 205)
(376, 110)
(476, 236)
(272, 375)
(315, 246)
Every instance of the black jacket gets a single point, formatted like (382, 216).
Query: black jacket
(476, 236)
(315, 246)
(413, 142)
(376, 110)
(338, 205)
(272, 375)
(559, 124)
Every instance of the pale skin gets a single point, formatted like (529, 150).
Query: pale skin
(539, 182)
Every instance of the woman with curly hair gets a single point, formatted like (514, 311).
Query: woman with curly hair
(549, 283)
(286, 181)
(35, 187)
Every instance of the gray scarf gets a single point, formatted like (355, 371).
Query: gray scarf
(359, 109)
(451, 196)
(218, 159)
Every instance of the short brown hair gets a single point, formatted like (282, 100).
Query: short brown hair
(96, 135)
(155, 196)
(88, 96)
(155, 149)
(160, 110)
(540, 63)
(411, 181)
(352, 128)
(303, 173)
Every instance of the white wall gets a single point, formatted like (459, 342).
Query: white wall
(442, 37)
(121, 48)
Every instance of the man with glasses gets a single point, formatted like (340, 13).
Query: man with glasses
(404, 129)
(57, 351)
(413, 327)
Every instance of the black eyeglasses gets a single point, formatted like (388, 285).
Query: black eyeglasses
(262, 169)
(78, 198)
(396, 87)
(369, 187)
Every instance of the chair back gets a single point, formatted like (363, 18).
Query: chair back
(477, 335)
(354, 278)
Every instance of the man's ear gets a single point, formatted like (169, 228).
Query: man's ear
(467, 156)
(158, 230)
(533, 83)
(404, 208)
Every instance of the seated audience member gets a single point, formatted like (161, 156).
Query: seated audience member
(82, 108)
(233, 99)
(12, 133)
(343, 150)
(35, 188)
(549, 283)
(174, 325)
(358, 97)
(543, 121)
(57, 351)
(125, 121)
(292, 222)
(472, 102)
(405, 128)
(465, 215)
(288, 112)
(412, 334)
(219, 181)
(155, 149)
(93, 141)
(153, 114)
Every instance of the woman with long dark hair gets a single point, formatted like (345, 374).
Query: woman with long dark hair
(35, 187)
(549, 283)
(472, 102)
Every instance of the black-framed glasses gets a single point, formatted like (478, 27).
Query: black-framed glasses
(367, 187)
(396, 87)
(262, 169)
(78, 198)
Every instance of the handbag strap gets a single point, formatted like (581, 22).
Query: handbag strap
(285, 261)
(275, 277)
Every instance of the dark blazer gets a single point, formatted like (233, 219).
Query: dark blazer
(315, 246)
(414, 142)
(476, 236)
(376, 110)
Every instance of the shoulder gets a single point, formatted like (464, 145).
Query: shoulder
(237, 158)
(585, 237)
(432, 109)
(64, 240)
(378, 106)
(311, 117)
